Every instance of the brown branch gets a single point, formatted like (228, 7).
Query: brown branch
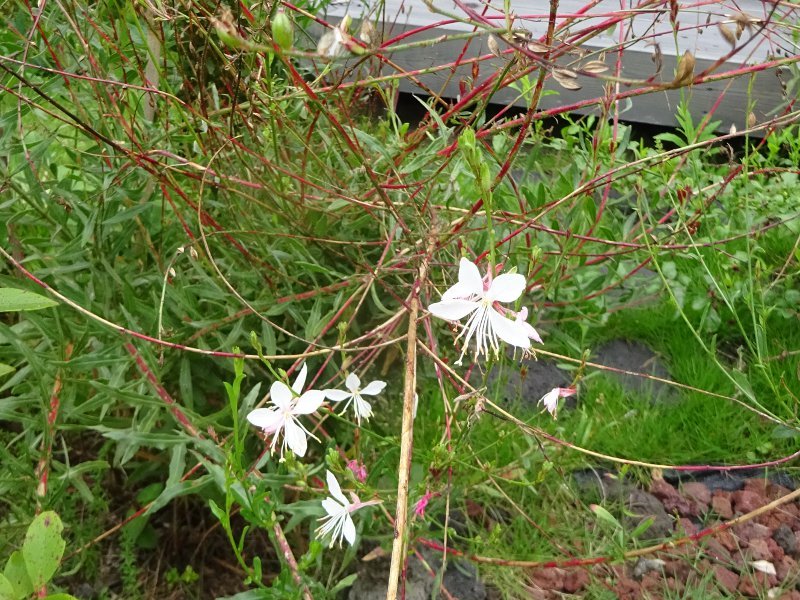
(407, 432)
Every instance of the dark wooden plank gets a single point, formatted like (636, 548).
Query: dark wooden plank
(698, 32)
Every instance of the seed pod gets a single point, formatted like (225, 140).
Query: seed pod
(566, 79)
(595, 67)
(684, 74)
(368, 33)
(283, 30)
(494, 46)
(727, 33)
(751, 120)
(537, 47)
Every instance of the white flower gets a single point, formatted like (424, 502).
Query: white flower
(550, 399)
(288, 403)
(361, 407)
(339, 524)
(522, 321)
(479, 298)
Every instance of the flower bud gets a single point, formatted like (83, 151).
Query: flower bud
(283, 30)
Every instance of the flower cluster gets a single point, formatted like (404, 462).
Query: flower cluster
(479, 299)
(282, 420)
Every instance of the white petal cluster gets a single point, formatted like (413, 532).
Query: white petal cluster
(479, 299)
(338, 523)
(288, 404)
(355, 396)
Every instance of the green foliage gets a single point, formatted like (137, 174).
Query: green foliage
(32, 568)
(193, 194)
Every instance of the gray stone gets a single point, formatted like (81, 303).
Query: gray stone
(785, 538)
(636, 357)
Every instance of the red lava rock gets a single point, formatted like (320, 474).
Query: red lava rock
(775, 549)
(745, 501)
(678, 569)
(751, 531)
(652, 581)
(759, 550)
(675, 585)
(672, 500)
(698, 493)
(775, 491)
(714, 549)
(549, 579)
(759, 485)
(727, 540)
(753, 584)
(791, 595)
(786, 568)
(687, 526)
(721, 504)
(628, 589)
(772, 519)
(726, 578)
(576, 580)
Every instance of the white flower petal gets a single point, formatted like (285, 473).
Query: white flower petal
(309, 402)
(550, 401)
(469, 274)
(507, 287)
(362, 408)
(337, 395)
(374, 387)
(332, 507)
(352, 382)
(280, 394)
(508, 331)
(301, 380)
(453, 310)
(334, 489)
(295, 437)
(349, 530)
(267, 419)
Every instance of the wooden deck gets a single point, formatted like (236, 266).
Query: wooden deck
(637, 35)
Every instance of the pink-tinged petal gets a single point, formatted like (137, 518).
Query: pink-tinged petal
(309, 402)
(267, 419)
(280, 395)
(550, 401)
(452, 310)
(508, 331)
(334, 489)
(352, 382)
(337, 395)
(532, 333)
(349, 530)
(566, 392)
(506, 287)
(374, 387)
(301, 380)
(332, 507)
(295, 438)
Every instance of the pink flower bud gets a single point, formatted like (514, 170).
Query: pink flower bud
(358, 469)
